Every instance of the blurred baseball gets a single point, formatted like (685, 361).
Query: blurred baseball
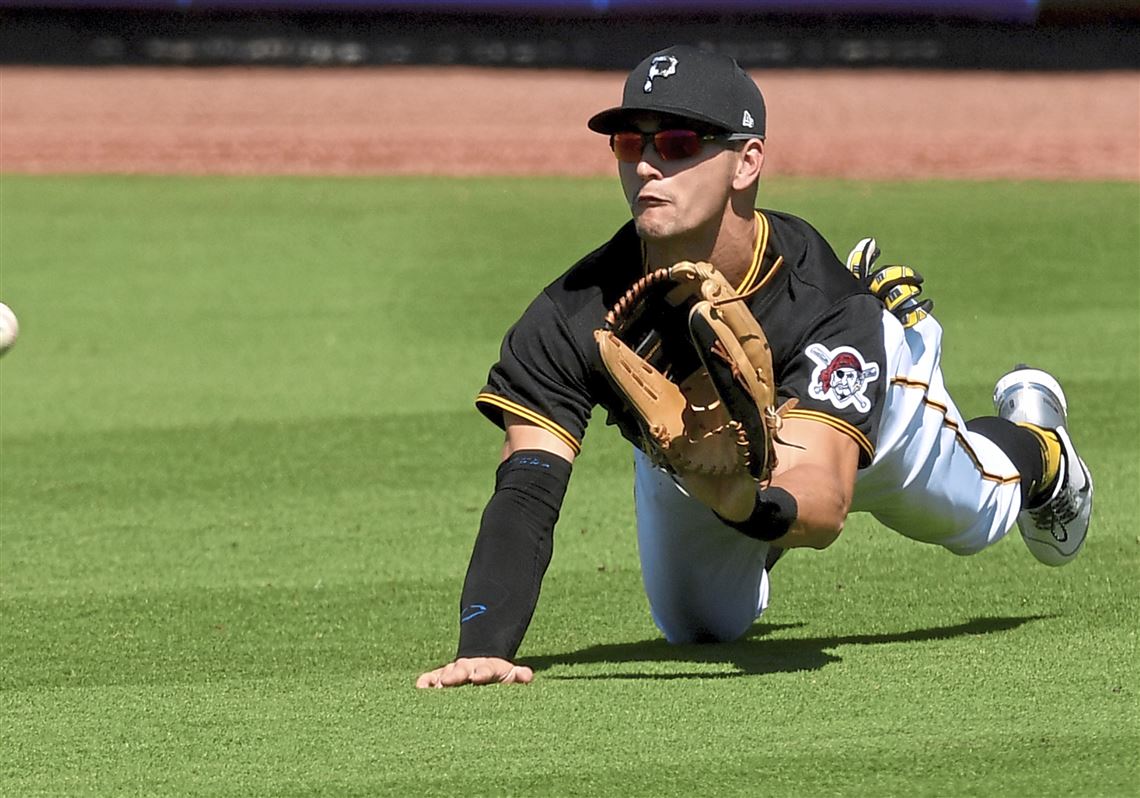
(9, 328)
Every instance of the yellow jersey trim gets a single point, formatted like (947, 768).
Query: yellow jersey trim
(761, 248)
(846, 428)
(763, 228)
(758, 248)
(531, 416)
(953, 426)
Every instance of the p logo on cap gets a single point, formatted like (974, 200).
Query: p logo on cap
(688, 84)
(660, 67)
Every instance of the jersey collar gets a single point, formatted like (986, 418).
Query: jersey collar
(755, 276)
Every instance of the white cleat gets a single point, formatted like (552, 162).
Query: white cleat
(1056, 530)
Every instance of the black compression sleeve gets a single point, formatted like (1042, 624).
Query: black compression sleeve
(1020, 446)
(512, 551)
(775, 512)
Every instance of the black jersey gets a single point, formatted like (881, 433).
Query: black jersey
(825, 330)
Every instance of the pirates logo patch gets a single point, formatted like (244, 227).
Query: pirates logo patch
(841, 376)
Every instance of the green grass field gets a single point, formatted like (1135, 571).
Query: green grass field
(242, 472)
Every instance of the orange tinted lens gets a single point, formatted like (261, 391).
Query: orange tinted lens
(627, 146)
(673, 145)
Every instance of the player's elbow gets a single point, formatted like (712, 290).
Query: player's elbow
(823, 522)
(823, 535)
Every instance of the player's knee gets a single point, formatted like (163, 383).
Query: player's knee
(690, 630)
(700, 636)
(967, 548)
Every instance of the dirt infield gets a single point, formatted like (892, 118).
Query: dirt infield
(462, 121)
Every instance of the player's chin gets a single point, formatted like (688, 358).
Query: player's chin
(652, 225)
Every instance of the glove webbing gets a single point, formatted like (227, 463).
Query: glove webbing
(632, 294)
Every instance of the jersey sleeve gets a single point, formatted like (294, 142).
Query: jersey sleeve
(541, 376)
(838, 372)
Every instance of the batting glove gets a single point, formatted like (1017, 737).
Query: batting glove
(898, 287)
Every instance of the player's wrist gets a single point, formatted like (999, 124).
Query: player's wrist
(772, 516)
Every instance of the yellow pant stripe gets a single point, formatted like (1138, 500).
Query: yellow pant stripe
(953, 425)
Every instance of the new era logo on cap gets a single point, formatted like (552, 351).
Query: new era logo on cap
(691, 84)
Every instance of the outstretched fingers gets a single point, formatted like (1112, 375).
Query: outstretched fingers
(476, 670)
(428, 679)
(519, 674)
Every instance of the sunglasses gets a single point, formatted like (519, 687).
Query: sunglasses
(671, 145)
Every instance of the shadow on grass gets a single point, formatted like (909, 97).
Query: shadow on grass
(754, 655)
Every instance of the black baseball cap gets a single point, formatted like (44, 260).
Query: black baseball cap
(690, 83)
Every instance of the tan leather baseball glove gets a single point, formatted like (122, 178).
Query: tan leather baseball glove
(694, 364)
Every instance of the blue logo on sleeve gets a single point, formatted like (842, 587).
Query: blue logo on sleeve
(471, 611)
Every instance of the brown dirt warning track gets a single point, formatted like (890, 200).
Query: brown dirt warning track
(460, 121)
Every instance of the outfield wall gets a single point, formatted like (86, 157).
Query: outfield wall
(947, 34)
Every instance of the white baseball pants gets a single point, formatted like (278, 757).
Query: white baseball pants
(705, 581)
(931, 480)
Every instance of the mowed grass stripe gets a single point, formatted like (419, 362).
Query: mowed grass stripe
(241, 474)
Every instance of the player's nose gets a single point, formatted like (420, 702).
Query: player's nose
(646, 168)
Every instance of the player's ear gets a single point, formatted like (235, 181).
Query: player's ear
(748, 164)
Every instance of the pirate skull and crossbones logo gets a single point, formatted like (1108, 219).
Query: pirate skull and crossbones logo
(841, 376)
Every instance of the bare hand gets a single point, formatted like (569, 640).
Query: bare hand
(476, 670)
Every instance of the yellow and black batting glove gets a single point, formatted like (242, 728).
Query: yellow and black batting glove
(862, 258)
(898, 287)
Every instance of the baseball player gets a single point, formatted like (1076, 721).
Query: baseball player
(872, 428)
